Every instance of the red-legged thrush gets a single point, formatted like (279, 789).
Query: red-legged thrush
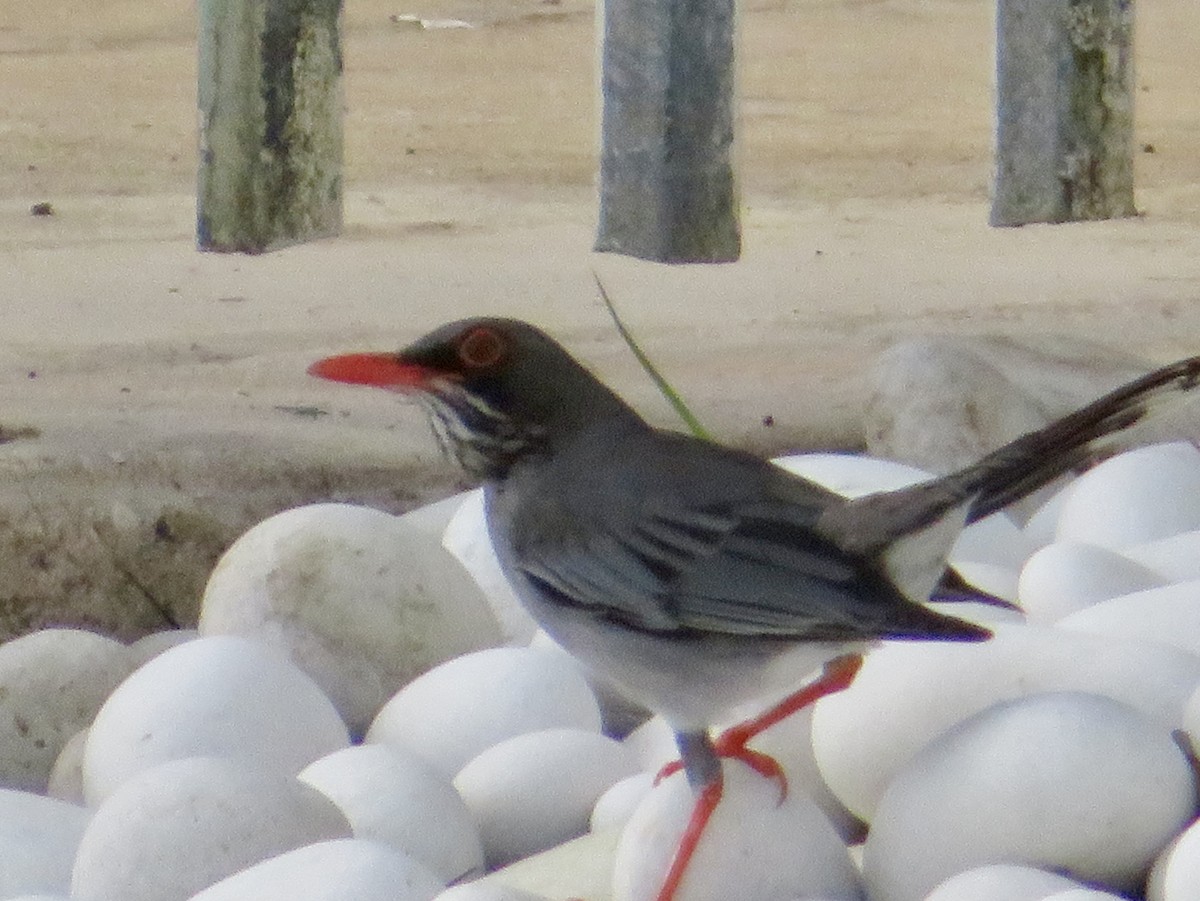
(696, 576)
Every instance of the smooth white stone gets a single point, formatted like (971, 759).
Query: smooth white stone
(1191, 723)
(52, 682)
(1084, 894)
(66, 779)
(907, 693)
(852, 475)
(221, 696)
(653, 744)
(487, 891)
(361, 600)
(995, 539)
(1001, 882)
(619, 714)
(1135, 497)
(179, 827)
(1069, 782)
(1175, 876)
(1175, 558)
(537, 790)
(614, 808)
(467, 538)
(1068, 576)
(754, 845)
(397, 798)
(457, 709)
(343, 870)
(1042, 525)
(1169, 614)
(150, 646)
(578, 869)
(38, 840)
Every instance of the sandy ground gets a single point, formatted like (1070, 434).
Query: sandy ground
(865, 151)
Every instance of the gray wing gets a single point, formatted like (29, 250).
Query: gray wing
(745, 558)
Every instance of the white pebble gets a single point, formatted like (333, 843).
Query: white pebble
(1169, 614)
(1135, 497)
(150, 646)
(1175, 558)
(754, 846)
(619, 801)
(183, 825)
(345, 870)
(537, 790)
(456, 710)
(1069, 782)
(221, 696)
(66, 779)
(619, 714)
(1001, 882)
(1084, 894)
(487, 891)
(398, 799)
(361, 600)
(907, 693)
(467, 538)
(653, 744)
(1042, 524)
(1176, 874)
(995, 539)
(852, 475)
(1067, 576)
(38, 840)
(52, 683)
(1191, 721)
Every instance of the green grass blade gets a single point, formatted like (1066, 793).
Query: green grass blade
(661, 383)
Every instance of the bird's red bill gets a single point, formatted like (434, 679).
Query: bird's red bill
(380, 370)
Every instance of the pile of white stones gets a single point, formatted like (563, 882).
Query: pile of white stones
(365, 713)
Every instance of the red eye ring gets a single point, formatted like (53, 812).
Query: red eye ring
(481, 348)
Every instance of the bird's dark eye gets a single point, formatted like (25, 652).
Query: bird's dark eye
(481, 348)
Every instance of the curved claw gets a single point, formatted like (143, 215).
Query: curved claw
(765, 765)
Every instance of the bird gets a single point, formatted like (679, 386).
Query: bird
(697, 576)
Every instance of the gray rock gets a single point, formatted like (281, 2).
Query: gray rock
(52, 683)
(941, 402)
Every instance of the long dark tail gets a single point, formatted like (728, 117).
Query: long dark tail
(876, 523)
(1031, 461)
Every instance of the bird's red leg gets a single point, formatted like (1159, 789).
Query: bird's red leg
(701, 759)
(838, 674)
(702, 810)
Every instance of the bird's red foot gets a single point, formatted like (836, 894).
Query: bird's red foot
(731, 743)
(838, 674)
(733, 746)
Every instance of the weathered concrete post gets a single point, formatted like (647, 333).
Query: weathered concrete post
(1064, 135)
(270, 97)
(667, 181)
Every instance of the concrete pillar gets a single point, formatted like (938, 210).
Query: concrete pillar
(667, 180)
(270, 97)
(1064, 134)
